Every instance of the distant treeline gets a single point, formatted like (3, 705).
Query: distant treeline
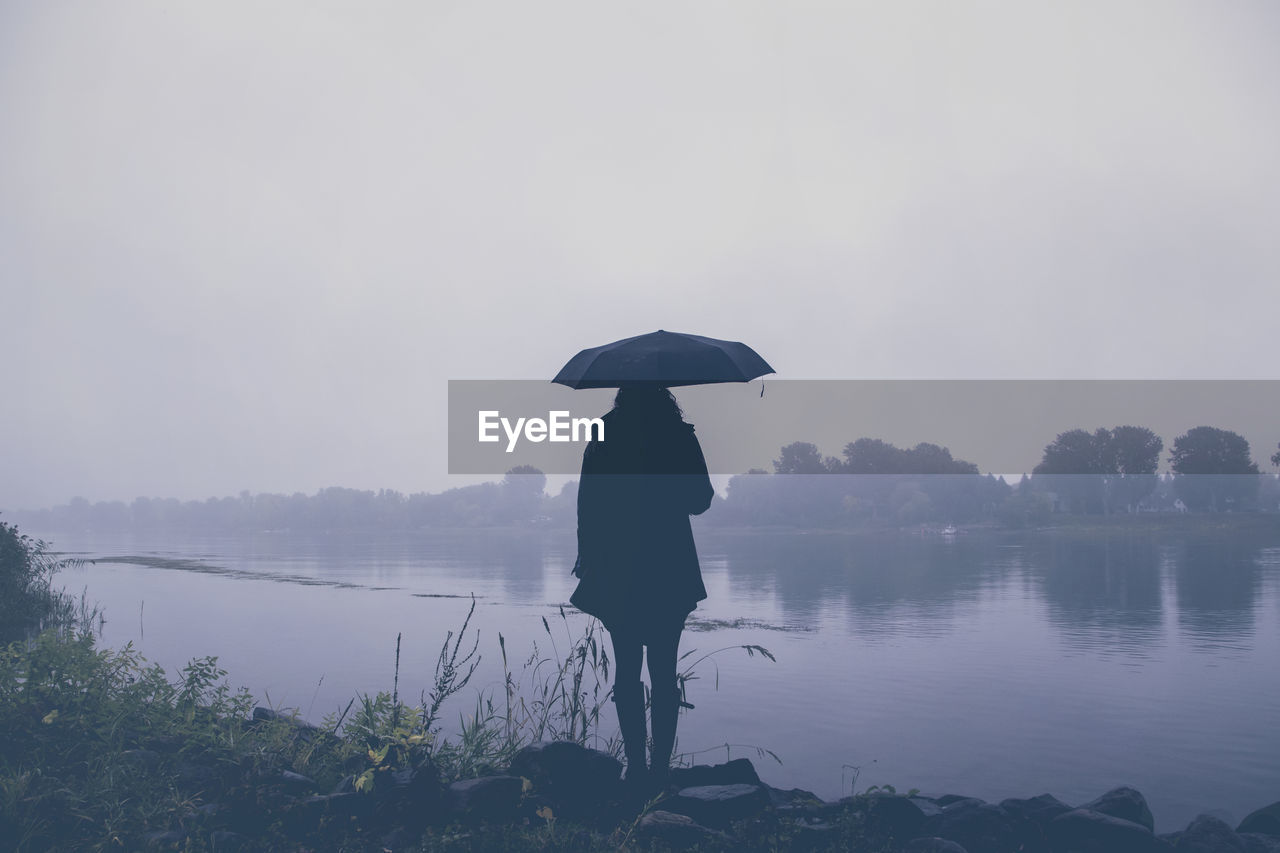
(517, 499)
(873, 483)
(1102, 472)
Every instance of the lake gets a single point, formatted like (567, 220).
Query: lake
(989, 664)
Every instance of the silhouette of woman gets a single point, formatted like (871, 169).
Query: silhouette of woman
(637, 563)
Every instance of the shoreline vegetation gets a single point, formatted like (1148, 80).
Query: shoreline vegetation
(103, 751)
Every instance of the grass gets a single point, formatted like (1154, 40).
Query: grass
(557, 693)
(28, 601)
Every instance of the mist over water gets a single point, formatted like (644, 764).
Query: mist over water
(989, 664)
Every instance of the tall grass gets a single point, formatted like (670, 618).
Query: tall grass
(558, 692)
(28, 602)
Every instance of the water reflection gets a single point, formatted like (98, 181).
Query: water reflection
(1108, 592)
(881, 584)
(1219, 579)
(1102, 593)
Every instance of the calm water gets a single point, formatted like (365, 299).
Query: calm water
(992, 665)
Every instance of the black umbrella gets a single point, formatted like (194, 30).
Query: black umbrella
(663, 358)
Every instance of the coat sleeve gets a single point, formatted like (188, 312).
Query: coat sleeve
(698, 491)
(590, 524)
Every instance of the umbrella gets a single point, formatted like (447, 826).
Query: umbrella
(663, 358)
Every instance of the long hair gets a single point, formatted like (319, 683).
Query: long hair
(653, 403)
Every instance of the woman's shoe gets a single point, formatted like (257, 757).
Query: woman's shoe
(666, 712)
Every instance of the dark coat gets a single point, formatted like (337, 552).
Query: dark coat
(636, 558)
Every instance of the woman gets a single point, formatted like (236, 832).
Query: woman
(637, 563)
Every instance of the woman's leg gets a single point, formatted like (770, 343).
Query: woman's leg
(664, 652)
(628, 653)
(628, 698)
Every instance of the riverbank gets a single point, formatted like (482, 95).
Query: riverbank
(103, 752)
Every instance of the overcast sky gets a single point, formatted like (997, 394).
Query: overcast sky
(245, 245)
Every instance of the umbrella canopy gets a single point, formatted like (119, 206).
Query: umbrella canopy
(663, 358)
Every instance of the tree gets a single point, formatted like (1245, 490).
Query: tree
(872, 456)
(1075, 452)
(525, 479)
(753, 499)
(1275, 457)
(1213, 469)
(1135, 454)
(522, 493)
(1070, 467)
(939, 485)
(927, 458)
(1135, 450)
(800, 457)
(1096, 471)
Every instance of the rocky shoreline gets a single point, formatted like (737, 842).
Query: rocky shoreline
(552, 790)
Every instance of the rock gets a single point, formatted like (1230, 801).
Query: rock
(975, 825)
(400, 838)
(166, 743)
(414, 794)
(719, 805)
(346, 785)
(225, 841)
(197, 777)
(205, 811)
(289, 779)
(795, 799)
(246, 814)
(1031, 818)
(890, 816)
(1087, 830)
(336, 805)
(929, 807)
(1265, 820)
(264, 715)
(486, 798)
(313, 814)
(1125, 803)
(142, 759)
(1208, 834)
(1040, 810)
(1257, 842)
(933, 845)
(813, 833)
(740, 771)
(677, 831)
(951, 799)
(422, 778)
(307, 731)
(570, 775)
(170, 839)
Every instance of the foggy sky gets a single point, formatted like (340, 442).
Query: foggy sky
(244, 246)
